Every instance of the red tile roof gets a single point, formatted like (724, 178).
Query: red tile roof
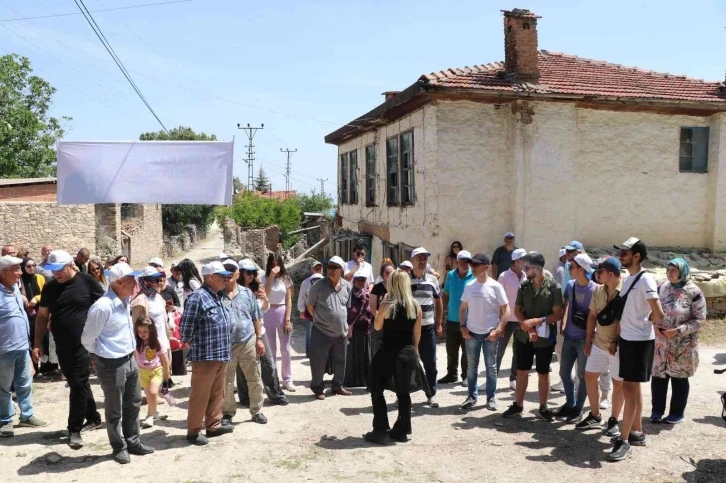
(569, 74)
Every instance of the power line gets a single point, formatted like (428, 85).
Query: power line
(99, 33)
(287, 168)
(250, 131)
(93, 11)
(322, 185)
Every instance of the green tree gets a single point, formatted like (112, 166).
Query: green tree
(262, 183)
(27, 133)
(239, 187)
(175, 217)
(315, 203)
(254, 211)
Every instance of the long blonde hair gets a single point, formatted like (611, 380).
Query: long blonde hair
(399, 293)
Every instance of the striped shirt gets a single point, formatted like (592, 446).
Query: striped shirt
(425, 290)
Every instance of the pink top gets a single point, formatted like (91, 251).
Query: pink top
(147, 358)
(511, 281)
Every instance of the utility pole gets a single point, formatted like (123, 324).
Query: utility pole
(287, 168)
(322, 186)
(250, 131)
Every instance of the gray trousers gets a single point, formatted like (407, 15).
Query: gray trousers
(322, 346)
(122, 400)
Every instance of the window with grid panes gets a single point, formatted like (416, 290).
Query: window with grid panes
(344, 180)
(407, 173)
(694, 150)
(353, 162)
(371, 174)
(393, 171)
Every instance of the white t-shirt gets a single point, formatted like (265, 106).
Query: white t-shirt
(157, 313)
(278, 289)
(484, 300)
(365, 269)
(262, 324)
(634, 324)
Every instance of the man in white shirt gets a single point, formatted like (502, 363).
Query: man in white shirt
(302, 298)
(109, 335)
(483, 314)
(358, 266)
(511, 279)
(637, 342)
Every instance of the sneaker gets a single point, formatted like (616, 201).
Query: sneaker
(563, 411)
(670, 419)
(575, 417)
(492, 403)
(159, 416)
(7, 431)
(620, 451)
(656, 418)
(197, 439)
(604, 403)
(636, 439)
(75, 441)
(512, 411)
(259, 418)
(91, 425)
(226, 420)
(612, 429)
(289, 387)
(469, 403)
(558, 387)
(513, 385)
(590, 422)
(447, 379)
(433, 402)
(148, 422)
(32, 422)
(546, 414)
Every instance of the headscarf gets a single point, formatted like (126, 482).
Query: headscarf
(147, 286)
(30, 281)
(684, 272)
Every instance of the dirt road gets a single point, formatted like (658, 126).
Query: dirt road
(321, 441)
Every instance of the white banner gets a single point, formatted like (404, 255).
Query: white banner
(170, 172)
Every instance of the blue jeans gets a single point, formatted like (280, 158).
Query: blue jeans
(307, 337)
(573, 350)
(475, 346)
(15, 372)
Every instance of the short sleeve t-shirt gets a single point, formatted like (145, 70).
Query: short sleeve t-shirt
(634, 324)
(365, 269)
(583, 295)
(454, 287)
(600, 298)
(278, 289)
(331, 307)
(379, 290)
(425, 291)
(502, 258)
(484, 300)
(68, 304)
(147, 358)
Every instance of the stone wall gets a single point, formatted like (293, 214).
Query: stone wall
(145, 234)
(272, 237)
(716, 307)
(108, 231)
(31, 225)
(251, 242)
(181, 243)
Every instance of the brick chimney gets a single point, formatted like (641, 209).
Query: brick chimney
(520, 45)
(390, 94)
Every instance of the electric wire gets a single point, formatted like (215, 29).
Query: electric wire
(93, 11)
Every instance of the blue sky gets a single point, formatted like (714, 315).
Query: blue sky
(325, 62)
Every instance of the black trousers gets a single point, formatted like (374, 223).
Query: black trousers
(679, 394)
(398, 364)
(76, 367)
(454, 342)
(509, 331)
(427, 353)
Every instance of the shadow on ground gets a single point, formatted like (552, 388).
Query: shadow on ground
(706, 471)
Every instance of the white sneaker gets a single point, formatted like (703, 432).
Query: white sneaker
(289, 387)
(513, 385)
(558, 387)
(604, 403)
(433, 402)
(148, 422)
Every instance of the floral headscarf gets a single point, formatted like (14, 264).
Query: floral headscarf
(684, 272)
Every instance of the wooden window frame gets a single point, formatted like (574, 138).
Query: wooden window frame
(370, 157)
(344, 179)
(689, 158)
(407, 176)
(390, 164)
(353, 177)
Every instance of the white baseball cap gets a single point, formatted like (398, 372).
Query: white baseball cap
(563, 252)
(463, 255)
(157, 261)
(518, 253)
(58, 259)
(316, 275)
(247, 265)
(420, 251)
(406, 264)
(223, 256)
(214, 267)
(583, 260)
(337, 261)
(121, 270)
(8, 261)
(230, 263)
(150, 272)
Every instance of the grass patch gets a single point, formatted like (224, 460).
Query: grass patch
(21, 454)
(296, 462)
(713, 333)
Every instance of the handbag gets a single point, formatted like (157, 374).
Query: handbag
(619, 301)
(579, 317)
(175, 343)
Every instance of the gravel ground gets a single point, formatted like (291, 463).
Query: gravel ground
(321, 441)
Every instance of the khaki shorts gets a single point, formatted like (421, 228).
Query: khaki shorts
(147, 376)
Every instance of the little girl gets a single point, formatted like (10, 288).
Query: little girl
(153, 364)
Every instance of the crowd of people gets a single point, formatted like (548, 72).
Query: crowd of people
(369, 328)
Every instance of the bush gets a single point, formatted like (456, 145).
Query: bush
(252, 211)
(175, 217)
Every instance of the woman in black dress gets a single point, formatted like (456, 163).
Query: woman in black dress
(399, 317)
(377, 293)
(358, 364)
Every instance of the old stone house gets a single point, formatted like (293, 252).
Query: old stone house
(31, 218)
(548, 145)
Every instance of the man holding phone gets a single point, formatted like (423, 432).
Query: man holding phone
(483, 314)
(358, 266)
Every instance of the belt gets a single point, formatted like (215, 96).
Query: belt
(122, 358)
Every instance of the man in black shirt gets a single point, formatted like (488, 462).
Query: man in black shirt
(67, 299)
(502, 257)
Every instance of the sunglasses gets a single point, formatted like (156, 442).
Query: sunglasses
(333, 267)
(30, 265)
(623, 253)
(251, 272)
